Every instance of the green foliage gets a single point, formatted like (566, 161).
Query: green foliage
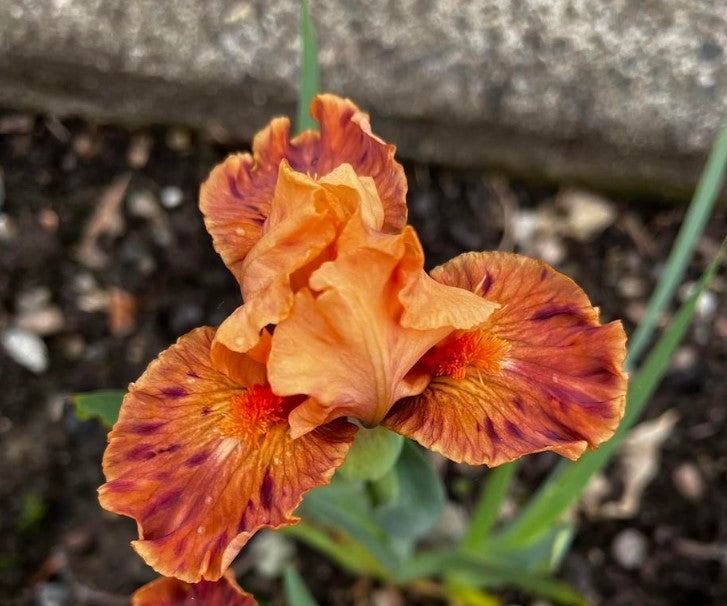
(488, 505)
(296, 593)
(103, 405)
(308, 69)
(700, 209)
(419, 498)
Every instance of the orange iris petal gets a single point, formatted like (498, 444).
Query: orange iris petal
(173, 592)
(353, 336)
(201, 458)
(236, 197)
(541, 374)
(306, 217)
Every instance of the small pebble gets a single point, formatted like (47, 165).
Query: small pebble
(706, 305)
(48, 219)
(142, 204)
(26, 349)
(46, 321)
(271, 553)
(388, 596)
(171, 196)
(629, 548)
(550, 250)
(33, 299)
(631, 287)
(588, 214)
(8, 228)
(138, 153)
(52, 594)
(688, 481)
(178, 139)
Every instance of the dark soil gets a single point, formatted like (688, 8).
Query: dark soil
(54, 536)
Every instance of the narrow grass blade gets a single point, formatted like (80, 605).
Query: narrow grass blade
(488, 505)
(296, 593)
(343, 507)
(348, 555)
(103, 405)
(695, 220)
(308, 69)
(568, 480)
(479, 570)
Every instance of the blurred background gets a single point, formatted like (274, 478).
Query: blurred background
(569, 130)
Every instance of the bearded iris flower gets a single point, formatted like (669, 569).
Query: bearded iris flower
(491, 357)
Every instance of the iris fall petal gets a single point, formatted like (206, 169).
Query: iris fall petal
(201, 458)
(541, 374)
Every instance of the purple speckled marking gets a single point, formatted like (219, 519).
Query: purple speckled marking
(121, 485)
(181, 546)
(220, 545)
(174, 392)
(543, 274)
(518, 403)
(232, 185)
(513, 429)
(551, 435)
(491, 432)
(168, 499)
(191, 373)
(346, 116)
(146, 428)
(247, 511)
(205, 411)
(197, 459)
(557, 310)
(266, 490)
(486, 283)
(141, 452)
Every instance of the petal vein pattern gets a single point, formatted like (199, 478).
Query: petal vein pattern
(346, 343)
(306, 218)
(236, 198)
(201, 459)
(173, 592)
(541, 374)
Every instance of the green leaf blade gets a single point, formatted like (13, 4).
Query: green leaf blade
(488, 505)
(308, 87)
(700, 209)
(296, 592)
(420, 499)
(103, 404)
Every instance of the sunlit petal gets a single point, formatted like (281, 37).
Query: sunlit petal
(236, 197)
(201, 458)
(306, 217)
(541, 374)
(345, 343)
